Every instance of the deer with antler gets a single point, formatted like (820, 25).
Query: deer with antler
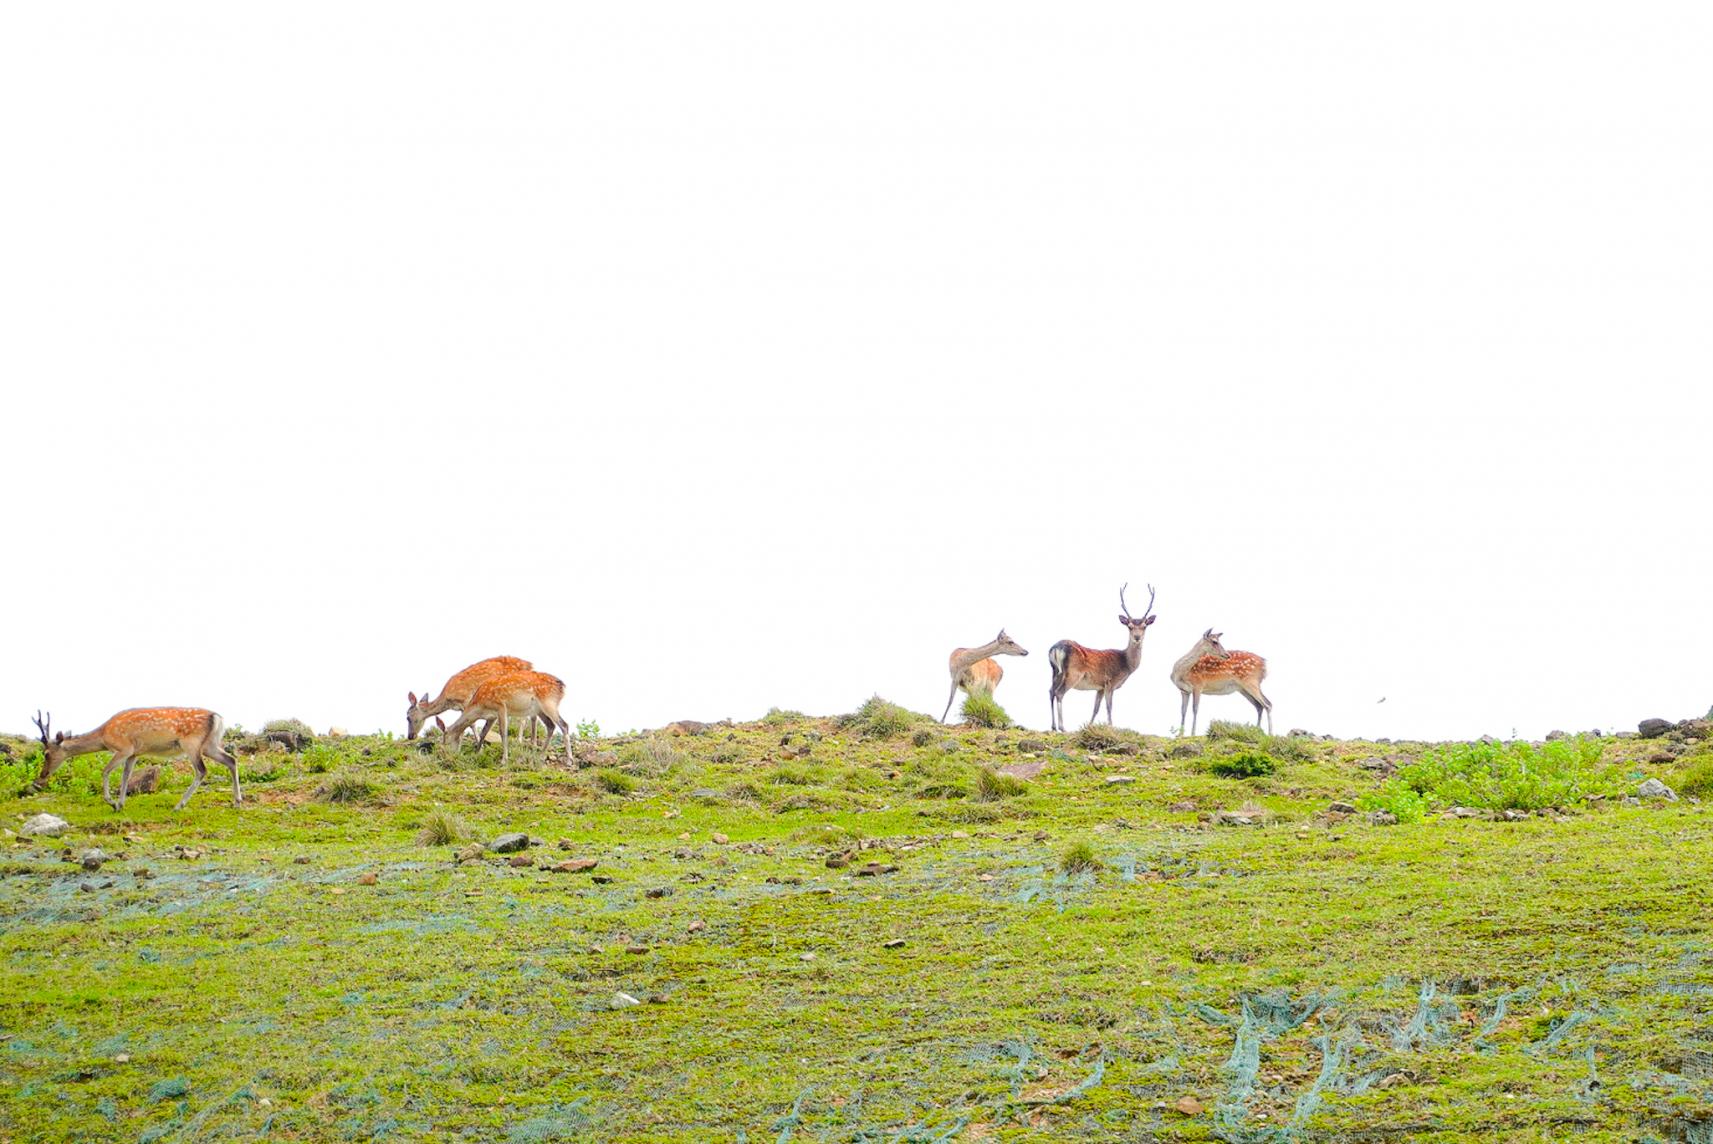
(157, 731)
(973, 668)
(456, 693)
(525, 695)
(1208, 669)
(1078, 668)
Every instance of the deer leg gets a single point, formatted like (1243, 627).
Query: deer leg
(1096, 715)
(505, 736)
(124, 781)
(455, 733)
(949, 699)
(106, 775)
(1109, 707)
(1183, 709)
(198, 772)
(230, 762)
(1195, 709)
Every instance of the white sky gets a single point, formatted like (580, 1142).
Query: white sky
(727, 356)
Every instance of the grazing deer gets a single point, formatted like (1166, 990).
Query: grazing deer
(158, 731)
(526, 695)
(1208, 669)
(1077, 668)
(973, 671)
(458, 690)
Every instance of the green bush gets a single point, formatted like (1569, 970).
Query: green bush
(1248, 765)
(1239, 732)
(1514, 776)
(614, 782)
(1078, 857)
(983, 710)
(441, 829)
(319, 758)
(1696, 777)
(991, 786)
(1403, 803)
(878, 719)
(1102, 737)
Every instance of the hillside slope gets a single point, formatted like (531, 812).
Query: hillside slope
(864, 929)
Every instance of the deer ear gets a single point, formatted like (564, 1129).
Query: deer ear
(412, 696)
(1150, 619)
(59, 736)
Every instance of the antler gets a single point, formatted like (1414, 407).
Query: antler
(1126, 607)
(42, 725)
(1150, 606)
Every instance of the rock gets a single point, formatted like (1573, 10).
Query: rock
(1341, 807)
(1463, 812)
(658, 892)
(1652, 728)
(805, 957)
(1189, 1106)
(1117, 779)
(720, 839)
(1236, 818)
(508, 843)
(1188, 749)
(893, 944)
(1024, 771)
(705, 794)
(950, 746)
(838, 861)
(566, 844)
(637, 948)
(144, 781)
(1031, 746)
(1383, 818)
(1513, 815)
(520, 861)
(369, 879)
(873, 868)
(1653, 788)
(696, 926)
(44, 826)
(300, 860)
(1299, 733)
(575, 866)
(1188, 806)
(93, 858)
(1554, 735)
(470, 853)
(623, 1001)
(1695, 728)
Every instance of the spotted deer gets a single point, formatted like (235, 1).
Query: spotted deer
(157, 731)
(525, 695)
(1208, 669)
(974, 670)
(1077, 668)
(458, 690)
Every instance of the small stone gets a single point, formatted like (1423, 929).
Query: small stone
(1113, 779)
(470, 853)
(805, 957)
(520, 861)
(1463, 812)
(509, 843)
(636, 948)
(566, 844)
(838, 861)
(873, 868)
(623, 1001)
(575, 865)
(705, 794)
(1383, 818)
(601, 879)
(1188, 806)
(86, 887)
(658, 892)
(1511, 815)
(1341, 807)
(93, 858)
(1189, 1106)
(984, 877)
(1653, 788)
(337, 890)
(720, 839)
(893, 944)
(142, 873)
(45, 826)
(300, 860)
(122, 1059)
(367, 879)
(696, 926)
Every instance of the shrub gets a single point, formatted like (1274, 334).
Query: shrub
(588, 729)
(441, 829)
(983, 710)
(794, 776)
(991, 786)
(292, 734)
(878, 719)
(614, 782)
(1078, 857)
(1404, 804)
(778, 718)
(1517, 775)
(726, 753)
(1248, 765)
(319, 758)
(1287, 749)
(345, 787)
(922, 738)
(1696, 778)
(1101, 737)
(1240, 732)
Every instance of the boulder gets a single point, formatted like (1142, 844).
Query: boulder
(44, 826)
(1652, 728)
(1653, 788)
(509, 843)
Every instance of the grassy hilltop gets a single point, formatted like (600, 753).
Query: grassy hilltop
(869, 929)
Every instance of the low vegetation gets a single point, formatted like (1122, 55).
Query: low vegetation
(843, 929)
(982, 710)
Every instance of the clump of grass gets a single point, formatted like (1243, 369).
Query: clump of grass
(793, 776)
(1248, 765)
(991, 786)
(614, 782)
(879, 719)
(441, 829)
(1078, 857)
(652, 757)
(1696, 778)
(293, 734)
(1102, 737)
(776, 717)
(922, 737)
(745, 791)
(1238, 732)
(1396, 799)
(319, 758)
(981, 709)
(345, 787)
(1288, 749)
(824, 834)
(726, 753)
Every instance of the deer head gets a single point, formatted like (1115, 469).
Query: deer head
(415, 716)
(1138, 627)
(1005, 645)
(53, 750)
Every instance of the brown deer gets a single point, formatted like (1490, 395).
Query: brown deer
(973, 671)
(525, 695)
(158, 731)
(458, 690)
(1208, 669)
(1077, 668)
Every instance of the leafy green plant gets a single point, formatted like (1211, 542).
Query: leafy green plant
(1515, 775)
(588, 729)
(614, 782)
(879, 719)
(1696, 778)
(981, 709)
(1248, 765)
(319, 758)
(1397, 799)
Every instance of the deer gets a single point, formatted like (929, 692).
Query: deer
(156, 731)
(1077, 668)
(526, 695)
(1208, 669)
(973, 670)
(457, 692)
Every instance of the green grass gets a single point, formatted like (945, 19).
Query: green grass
(1244, 765)
(982, 710)
(900, 943)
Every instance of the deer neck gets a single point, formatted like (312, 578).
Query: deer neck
(961, 660)
(1182, 667)
(1133, 652)
(72, 746)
